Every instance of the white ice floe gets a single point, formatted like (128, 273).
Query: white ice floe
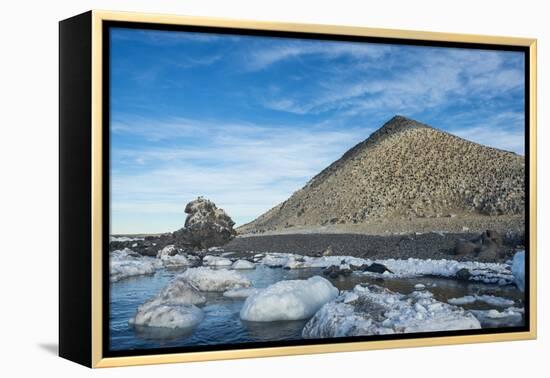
(275, 260)
(419, 286)
(240, 293)
(123, 239)
(171, 257)
(207, 279)
(169, 316)
(127, 263)
(380, 311)
(518, 269)
(511, 316)
(216, 261)
(173, 307)
(489, 299)
(243, 264)
(177, 261)
(288, 300)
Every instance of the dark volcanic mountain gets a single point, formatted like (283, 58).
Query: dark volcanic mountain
(405, 170)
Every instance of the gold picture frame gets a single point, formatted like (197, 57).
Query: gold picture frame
(91, 24)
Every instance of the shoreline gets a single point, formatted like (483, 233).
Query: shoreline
(432, 245)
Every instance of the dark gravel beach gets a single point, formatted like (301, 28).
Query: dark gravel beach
(424, 246)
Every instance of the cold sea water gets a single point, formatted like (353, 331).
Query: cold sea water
(222, 324)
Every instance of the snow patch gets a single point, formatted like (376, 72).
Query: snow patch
(288, 300)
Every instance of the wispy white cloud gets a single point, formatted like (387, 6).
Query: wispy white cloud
(423, 81)
(262, 58)
(244, 174)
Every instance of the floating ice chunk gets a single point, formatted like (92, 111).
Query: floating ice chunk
(380, 311)
(275, 260)
(177, 261)
(206, 279)
(518, 269)
(489, 299)
(178, 291)
(216, 261)
(168, 316)
(243, 264)
(173, 307)
(288, 300)
(171, 257)
(240, 293)
(127, 263)
(468, 299)
(510, 317)
(419, 286)
(350, 297)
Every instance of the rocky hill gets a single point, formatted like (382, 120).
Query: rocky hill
(405, 170)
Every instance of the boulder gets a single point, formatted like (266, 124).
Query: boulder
(465, 247)
(377, 268)
(206, 225)
(463, 274)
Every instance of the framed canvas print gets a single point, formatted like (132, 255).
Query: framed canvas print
(235, 189)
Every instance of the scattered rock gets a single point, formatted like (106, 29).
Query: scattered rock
(377, 268)
(463, 274)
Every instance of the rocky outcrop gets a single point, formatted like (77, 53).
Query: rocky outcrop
(486, 247)
(206, 225)
(403, 171)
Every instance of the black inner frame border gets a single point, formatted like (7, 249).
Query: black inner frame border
(106, 27)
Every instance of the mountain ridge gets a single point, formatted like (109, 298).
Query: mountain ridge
(405, 169)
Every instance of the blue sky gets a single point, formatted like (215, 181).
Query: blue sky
(246, 121)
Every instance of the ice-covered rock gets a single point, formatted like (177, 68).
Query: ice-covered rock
(126, 263)
(489, 299)
(380, 311)
(168, 316)
(243, 264)
(210, 260)
(240, 293)
(518, 269)
(288, 300)
(207, 279)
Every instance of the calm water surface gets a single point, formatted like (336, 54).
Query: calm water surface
(222, 325)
